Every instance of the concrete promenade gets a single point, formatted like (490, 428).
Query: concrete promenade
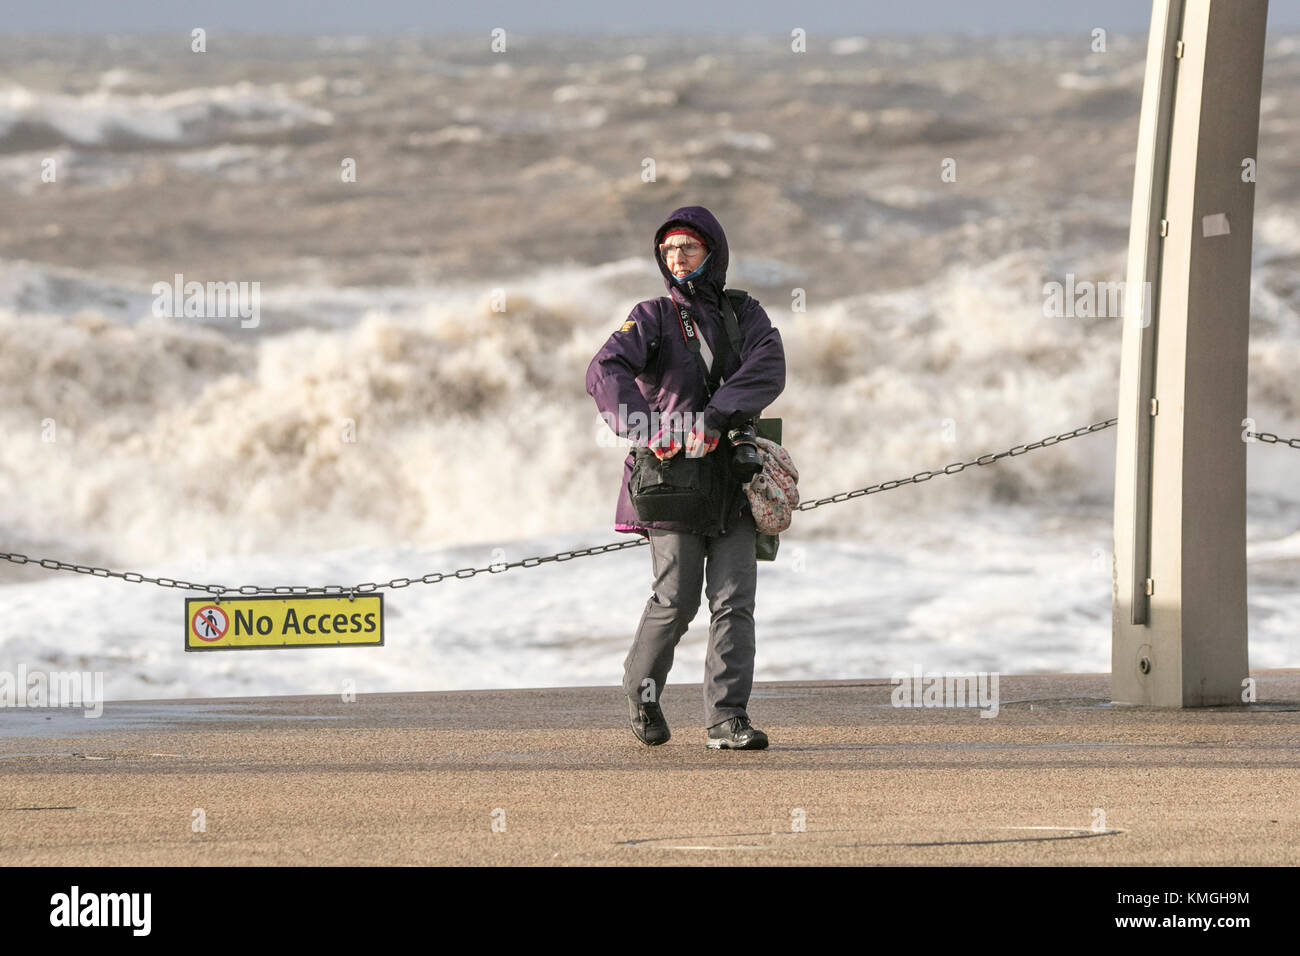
(422, 778)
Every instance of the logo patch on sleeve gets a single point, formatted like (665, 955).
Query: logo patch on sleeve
(629, 324)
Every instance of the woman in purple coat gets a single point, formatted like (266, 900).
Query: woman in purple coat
(653, 388)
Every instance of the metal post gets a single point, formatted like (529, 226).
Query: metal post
(1179, 600)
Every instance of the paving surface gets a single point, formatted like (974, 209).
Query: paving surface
(554, 776)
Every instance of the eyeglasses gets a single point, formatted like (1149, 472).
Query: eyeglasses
(690, 250)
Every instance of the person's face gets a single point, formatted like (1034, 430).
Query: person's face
(682, 255)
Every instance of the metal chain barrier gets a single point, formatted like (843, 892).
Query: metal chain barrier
(957, 466)
(220, 590)
(286, 590)
(1270, 439)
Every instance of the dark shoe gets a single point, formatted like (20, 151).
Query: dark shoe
(736, 734)
(648, 723)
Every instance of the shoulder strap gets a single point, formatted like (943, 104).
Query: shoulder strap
(731, 300)
(690, 332)
(729, 320)
(691, 335)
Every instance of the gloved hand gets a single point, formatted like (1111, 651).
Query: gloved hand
(664, 445)
(701, 441)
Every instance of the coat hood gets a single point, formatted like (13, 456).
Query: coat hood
(714, 278)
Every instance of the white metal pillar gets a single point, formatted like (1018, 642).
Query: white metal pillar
(1179, 600)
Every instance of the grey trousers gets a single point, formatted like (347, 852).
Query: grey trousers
(727, 568)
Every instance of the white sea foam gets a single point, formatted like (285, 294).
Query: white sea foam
(1103, 78)
(1009, 589)
(185, 117)
(472, 425)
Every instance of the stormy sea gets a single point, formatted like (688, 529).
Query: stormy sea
(429, 240)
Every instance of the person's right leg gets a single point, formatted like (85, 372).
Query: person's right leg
(678, 563)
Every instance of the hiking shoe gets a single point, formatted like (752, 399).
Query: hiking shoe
(735, 734)
(648, 723)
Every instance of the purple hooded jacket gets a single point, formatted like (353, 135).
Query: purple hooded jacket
(646, 367)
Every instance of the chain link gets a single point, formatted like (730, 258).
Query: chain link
(434, 577)
(1269, 438)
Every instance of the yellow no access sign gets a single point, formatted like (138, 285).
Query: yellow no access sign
(303, 620)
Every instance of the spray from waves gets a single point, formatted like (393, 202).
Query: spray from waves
(162, 438)
(33, 119)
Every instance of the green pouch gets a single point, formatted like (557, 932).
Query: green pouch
(765, 545)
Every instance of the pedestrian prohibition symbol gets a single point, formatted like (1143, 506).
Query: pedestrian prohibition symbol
(209, 623)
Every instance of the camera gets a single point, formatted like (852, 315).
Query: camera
(745, 459)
